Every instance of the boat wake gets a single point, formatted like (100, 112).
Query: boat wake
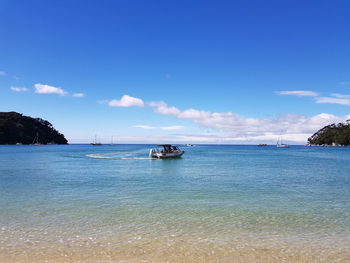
(121, 156)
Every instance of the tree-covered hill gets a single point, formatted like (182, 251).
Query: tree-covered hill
(17, 128)
(334, 134)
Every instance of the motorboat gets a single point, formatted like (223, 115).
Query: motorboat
(167, 151)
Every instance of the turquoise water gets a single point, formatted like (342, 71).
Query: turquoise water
(217, 198)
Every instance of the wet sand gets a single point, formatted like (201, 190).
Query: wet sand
(168, 250)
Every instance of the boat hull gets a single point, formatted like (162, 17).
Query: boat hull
(167, 155)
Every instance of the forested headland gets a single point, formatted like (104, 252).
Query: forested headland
(15, 128)
(332, 135)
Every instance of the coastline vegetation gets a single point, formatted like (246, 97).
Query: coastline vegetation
(332, 135)
(15, 128)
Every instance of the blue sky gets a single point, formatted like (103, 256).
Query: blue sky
(177, 71)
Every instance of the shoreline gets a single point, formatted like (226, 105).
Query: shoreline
(325, 145)
(177, 252)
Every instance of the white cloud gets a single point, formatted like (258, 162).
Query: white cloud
(126, 101)
(78, 95)
(162, 108)
(234, 128)
(145, 127)
(215, 138)
(299, 93)
(165, 128)
(47, 89)
(333, 100)
(2, 73)
(18, 89)
(343, 96)
(172, 128)
(296, 127)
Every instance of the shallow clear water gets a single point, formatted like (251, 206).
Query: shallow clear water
(82, 203)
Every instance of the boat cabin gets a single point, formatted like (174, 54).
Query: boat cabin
(168, 148)
(168, 151)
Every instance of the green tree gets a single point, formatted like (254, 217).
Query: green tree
(17, 128)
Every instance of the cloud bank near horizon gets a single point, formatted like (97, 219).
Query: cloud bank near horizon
(232, 127)
(237, 128)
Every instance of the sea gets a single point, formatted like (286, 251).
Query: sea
(218, 203)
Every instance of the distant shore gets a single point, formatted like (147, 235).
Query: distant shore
(326, 145)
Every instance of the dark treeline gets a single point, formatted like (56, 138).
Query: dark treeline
(334, 134)
(16, 128)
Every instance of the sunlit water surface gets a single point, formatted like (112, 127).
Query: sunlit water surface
(82, 203)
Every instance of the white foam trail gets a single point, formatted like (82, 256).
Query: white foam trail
(97, 156)
(126, 156)
(139, 158)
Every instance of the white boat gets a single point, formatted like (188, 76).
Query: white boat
(112, 143)
(36, 140)
(280, 143)
(168, 151)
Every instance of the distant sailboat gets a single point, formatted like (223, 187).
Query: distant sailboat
(280, 143)
(112, 143)
(96, 143)
(36, 140)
